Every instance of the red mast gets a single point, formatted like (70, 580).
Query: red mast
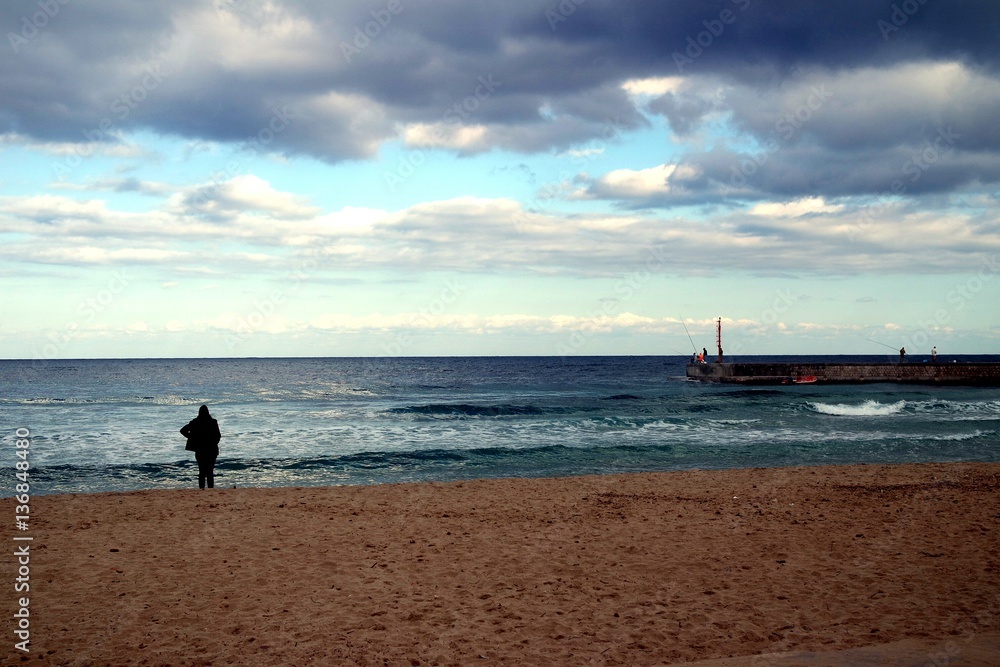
(718, 337)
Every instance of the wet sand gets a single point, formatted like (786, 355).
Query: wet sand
(645, 569)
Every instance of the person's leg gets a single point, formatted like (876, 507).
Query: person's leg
(210, 472)
(202, 471)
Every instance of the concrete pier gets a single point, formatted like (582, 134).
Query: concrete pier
(970, 374)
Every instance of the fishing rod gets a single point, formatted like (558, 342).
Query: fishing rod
(693, 346)
(882, 344)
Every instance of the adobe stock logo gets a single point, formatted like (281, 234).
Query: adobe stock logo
(120, 109)
(915, 167)
(30, 27)
(362, 38)
(714, 28)
(451, 120)
(785, 128)
(562, 12)
(899, 17)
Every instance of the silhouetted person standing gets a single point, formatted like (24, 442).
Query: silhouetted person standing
(203, 437)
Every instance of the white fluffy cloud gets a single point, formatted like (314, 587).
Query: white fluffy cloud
(795, 208)
(245, 225)
(653, 182)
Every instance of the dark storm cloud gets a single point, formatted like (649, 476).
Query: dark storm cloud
(769, 37)
(344, 76)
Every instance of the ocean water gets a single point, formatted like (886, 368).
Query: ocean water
(111, 425)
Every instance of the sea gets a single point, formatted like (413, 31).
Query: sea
(113, 424)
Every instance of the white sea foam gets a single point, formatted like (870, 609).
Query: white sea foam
(166, 399)
(959, 410)
(960, 437)
(869, 408)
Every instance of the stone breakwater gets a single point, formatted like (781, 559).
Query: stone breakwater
(983, 374)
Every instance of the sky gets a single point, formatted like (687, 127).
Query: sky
(245, 178)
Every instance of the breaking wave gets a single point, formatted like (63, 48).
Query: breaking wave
(869, 408)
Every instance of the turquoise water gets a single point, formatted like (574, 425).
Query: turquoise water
(103, 425)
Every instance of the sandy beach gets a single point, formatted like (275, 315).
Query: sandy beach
(646, 569)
